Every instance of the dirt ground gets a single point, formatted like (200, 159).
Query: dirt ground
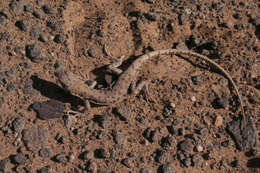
(187, 120)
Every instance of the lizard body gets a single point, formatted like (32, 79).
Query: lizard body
(119, 91)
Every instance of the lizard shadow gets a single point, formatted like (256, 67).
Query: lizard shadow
(53, 91)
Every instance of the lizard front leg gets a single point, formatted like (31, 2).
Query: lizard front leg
(114, 66)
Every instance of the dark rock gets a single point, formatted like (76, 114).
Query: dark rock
(101, 153)
(55, 26)
(196, 79)
(16, 7)
(146, 170)
(168, 111)
(151, 135)
(152, 16)
(186, 146)
(28, 8)
(38, 14)
(245, 138)
(168, 141)
(103, 120)
(86, 155)
(19, 159)
(254, 163)
(35, 138)
(197, 160)
(18, 124)
(166, 168)
(23, 25)
(60, 38)
(181, 131)
(5, 36)
(127, 162)
(33, 51)
(204, 131)
(118, 137)
(161, 156)
(45, 169)
(220, 102)
(34, 34)
(49, 109)
(45, 152)
(123, 113)
(4, 164)
(49, 10)
(91, 166)
(61, 158)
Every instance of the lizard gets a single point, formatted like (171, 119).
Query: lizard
(127, 79)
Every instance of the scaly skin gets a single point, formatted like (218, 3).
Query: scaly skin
(119, 91)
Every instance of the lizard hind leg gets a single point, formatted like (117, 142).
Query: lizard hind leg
(114, 66)
(136, 88)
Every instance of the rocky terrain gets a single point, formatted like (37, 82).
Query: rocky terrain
(189, 119)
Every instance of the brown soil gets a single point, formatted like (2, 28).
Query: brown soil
(83, 36)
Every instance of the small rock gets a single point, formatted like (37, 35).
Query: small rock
(60, 38)
(166, 168)
(152, 16)
(61, 158)
(197, 160)
(168, 141)
(23, 25)
(18, 124)
(28, 8)
(118, 137)
(91, 166)
(199, 148)
(19, 159)
(193, 98)
(187, 162)
(35, 138)
(49, 10)
(4, 164)
(196, 79)
(218, 121)
(123, 113)
(34, 34)
(151, 135)
(220, 102)
(127, 162)
(43, 38)
(86, 155)
(161, 156)
(146, 170)
(33, 51)
(49, 109)
(103, 120)
(45, 152)
(204, 131)
(45, 169)
(101, 153)
(186, 145)
(95, 52)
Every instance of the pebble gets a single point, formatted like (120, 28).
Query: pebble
(161, 156)
(118, 137)
(19, 158)
(35, 138)
(4, 165)
(196, 79)
(199, 148)
(166, 168)
(218, 121)
(123, 113)
(101, 153)
(49, 10)
(146, 170)
(193, 98)
(86, 155)
(23, 25)
(45, 152)
(103, 120)
(204, 131)
(127, 162)
(168, 141)
(18, 124)
(91, 166)
(45, 169)
(60, 38)
(186, 145)
(33, 51)
(221, 102)
(61, 158)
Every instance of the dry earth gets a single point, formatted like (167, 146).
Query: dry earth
(182, 124)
